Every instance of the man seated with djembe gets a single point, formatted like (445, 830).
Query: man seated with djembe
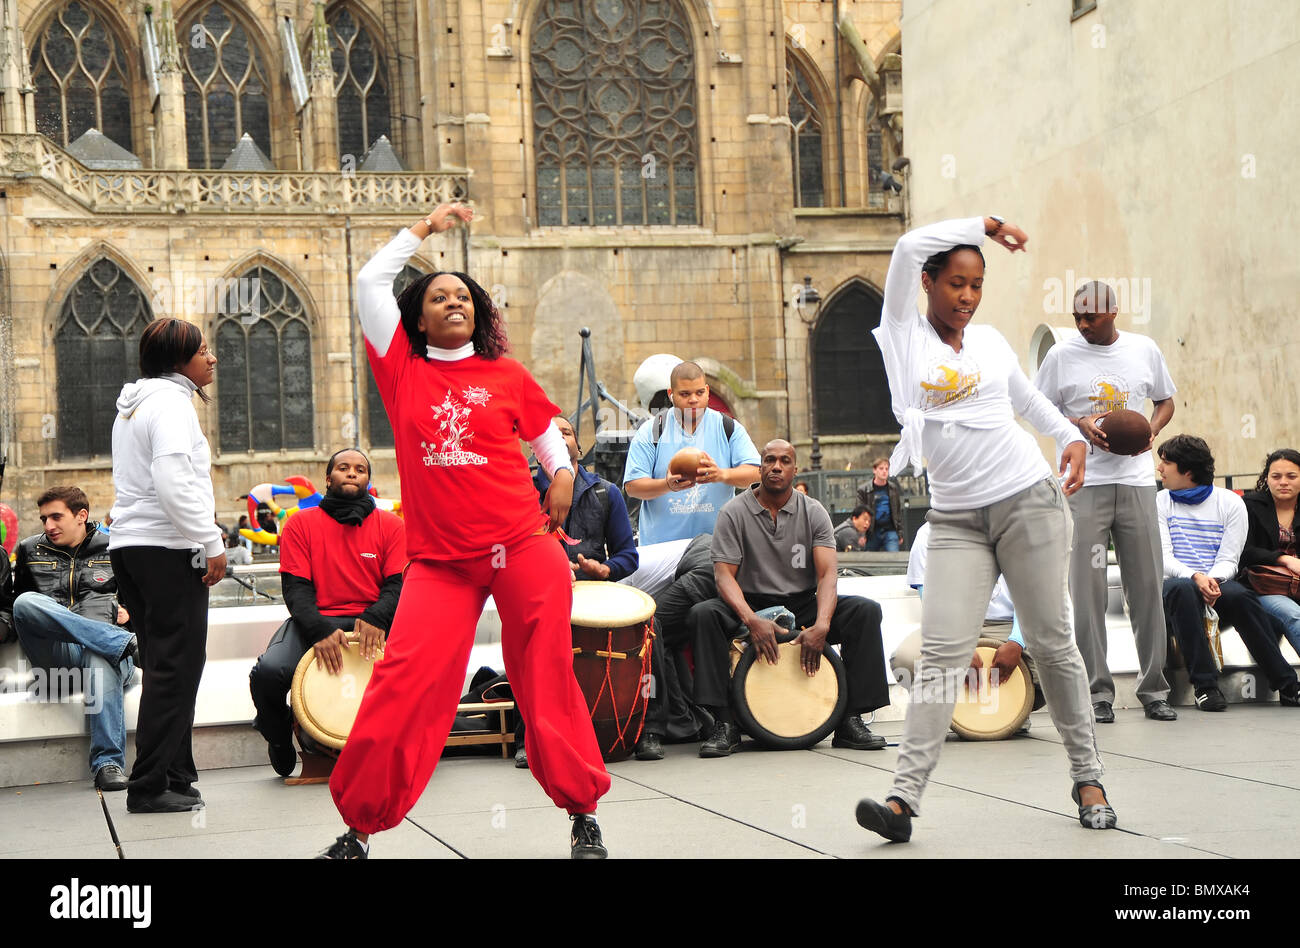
(341, 569)
(775, 546)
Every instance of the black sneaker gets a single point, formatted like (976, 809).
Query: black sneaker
(187, 790)
(1211, 699)
(1289, 697)
(724, 739)
(345, 847)
(585, 841)
(650, 747)
(110, 777)
(855, 735)
(283, 758)
(1103, 712)
(521, 758)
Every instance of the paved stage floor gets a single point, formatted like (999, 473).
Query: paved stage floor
(1209, 786)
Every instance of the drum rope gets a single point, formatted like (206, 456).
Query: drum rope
(647, 666)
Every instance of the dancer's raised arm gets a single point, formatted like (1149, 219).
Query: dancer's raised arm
(376, 305)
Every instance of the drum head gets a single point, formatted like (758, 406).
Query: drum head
(781, 707)
(993, 713)
(599, 605)
(326, 705)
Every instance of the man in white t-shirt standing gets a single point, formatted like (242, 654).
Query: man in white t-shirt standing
(1099, 371)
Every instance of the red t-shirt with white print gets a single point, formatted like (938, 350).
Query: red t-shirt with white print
(457, 426)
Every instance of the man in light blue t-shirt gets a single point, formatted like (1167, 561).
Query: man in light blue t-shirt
(674, 507)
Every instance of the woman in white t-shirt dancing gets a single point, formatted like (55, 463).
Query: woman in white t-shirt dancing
(995, 506)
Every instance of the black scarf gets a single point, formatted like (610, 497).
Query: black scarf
(348, 512)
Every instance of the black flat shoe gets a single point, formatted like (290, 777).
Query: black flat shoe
(165, 802)
(1103, 712)
(1160, 710)
(110, 777)
(880, 818)
(1098, 816)
(650, 747)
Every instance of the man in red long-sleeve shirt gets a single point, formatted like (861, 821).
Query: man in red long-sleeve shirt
(341, 572)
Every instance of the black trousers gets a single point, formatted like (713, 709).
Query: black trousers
(855, 628)
(164, 593)
(272, 677)
(1238, 607)
(669, 712)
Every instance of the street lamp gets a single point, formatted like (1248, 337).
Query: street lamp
(807, 303)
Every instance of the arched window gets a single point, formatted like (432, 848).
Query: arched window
(360, 84)
(264, 369)
(80, 76)
(614, 116)
(848, 371)
(378, 427)
(226, 87)
(96, 349)
(805, 136)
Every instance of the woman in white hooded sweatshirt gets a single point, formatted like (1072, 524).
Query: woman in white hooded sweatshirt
(166, 551)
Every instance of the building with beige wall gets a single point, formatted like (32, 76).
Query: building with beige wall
(663, 171)
(1149, 143)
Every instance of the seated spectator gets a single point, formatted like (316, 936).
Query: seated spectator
(773, 546)
(1270, 538)
(67, 617)
(341, 569)
(999, 623)
(238, 537)
(266, 519)
(1202, 531)
(597, 519)
(851, 535)
(882, 497)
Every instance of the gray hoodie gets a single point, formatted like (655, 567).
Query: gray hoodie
(162, 469)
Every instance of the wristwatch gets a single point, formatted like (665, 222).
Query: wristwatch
(1000, 222)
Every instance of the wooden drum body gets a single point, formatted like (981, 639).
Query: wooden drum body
(612, 628)
(993, 713)
(325, 705)
(779, 705)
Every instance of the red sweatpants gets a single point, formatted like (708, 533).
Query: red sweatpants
(407, 710)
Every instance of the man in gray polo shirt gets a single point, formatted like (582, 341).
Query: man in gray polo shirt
(774, 546)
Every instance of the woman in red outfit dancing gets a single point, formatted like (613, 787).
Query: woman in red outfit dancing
(458, 408)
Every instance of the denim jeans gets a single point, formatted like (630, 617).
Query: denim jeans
(1287, 611)
(879, 540)
(54, 637)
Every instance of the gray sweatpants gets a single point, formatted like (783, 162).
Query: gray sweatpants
(1128, 514)
(1027, 538)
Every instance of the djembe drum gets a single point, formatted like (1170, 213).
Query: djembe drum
(324, 708)
(612, 628)
(993, 713)
(781, 706)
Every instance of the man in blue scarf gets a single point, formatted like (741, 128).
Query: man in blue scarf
(1202, 531)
